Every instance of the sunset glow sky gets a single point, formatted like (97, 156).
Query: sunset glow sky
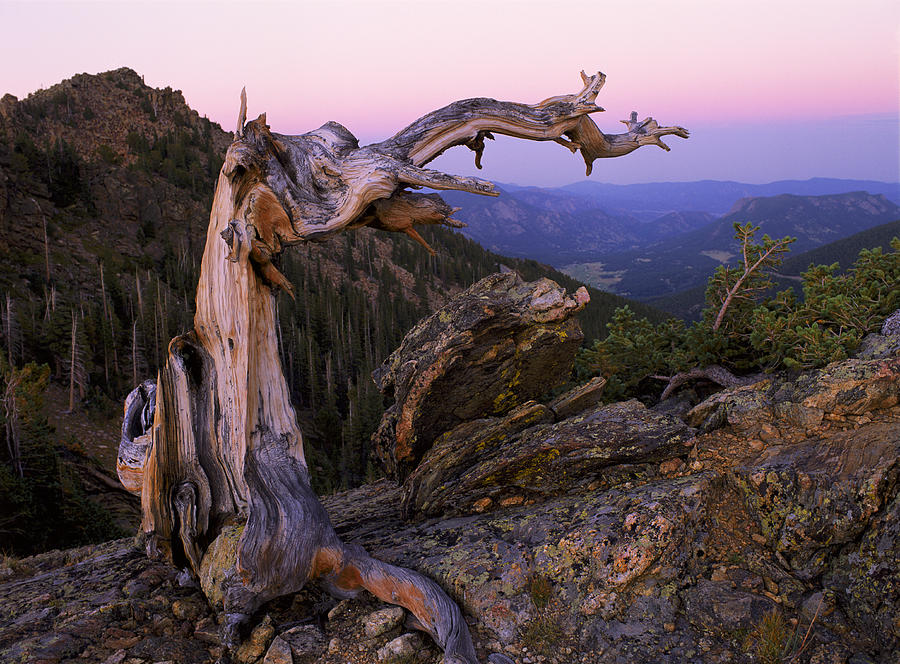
(770, 90)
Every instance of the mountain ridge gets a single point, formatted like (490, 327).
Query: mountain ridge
(686, 261)
(716, 196)
(586, 222)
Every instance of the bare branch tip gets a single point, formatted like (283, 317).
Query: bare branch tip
(242, 114)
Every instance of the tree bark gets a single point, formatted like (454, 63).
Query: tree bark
(713, 373)
(225, 446)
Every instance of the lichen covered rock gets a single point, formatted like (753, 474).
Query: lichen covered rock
(850, 387)
(218, 569)
(809, 498)
(493, 347)
(598, 551)
(866, 580)
(526, 456)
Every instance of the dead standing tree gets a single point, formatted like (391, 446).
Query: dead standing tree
(225, 471)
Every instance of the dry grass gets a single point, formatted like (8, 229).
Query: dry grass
(773, 641)
(540, 590)
(543, 633)
(14, 564)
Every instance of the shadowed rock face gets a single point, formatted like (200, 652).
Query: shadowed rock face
(465, 433)
(492, 348)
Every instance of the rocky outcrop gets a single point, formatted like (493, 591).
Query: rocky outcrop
(810, 498)
(659, 542)
(101, 604)
(612, 534)
(465, 434)
(525, 456)
(838, 392)
(490, 349)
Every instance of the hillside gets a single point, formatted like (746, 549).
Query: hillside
(555, 229)
(686, 261)
(689, 303)
(105, 187)
(843, 251)
(560, 227)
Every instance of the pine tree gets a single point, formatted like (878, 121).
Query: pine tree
(736, 288)
(836, 312)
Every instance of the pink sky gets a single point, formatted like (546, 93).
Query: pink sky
(768, 89)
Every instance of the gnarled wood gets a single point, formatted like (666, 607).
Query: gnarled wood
(136, 423)
(226, 448)
(714, 373)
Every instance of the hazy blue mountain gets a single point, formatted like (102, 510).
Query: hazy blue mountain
(556, 199)
(844, 251)
(556, 233)
(652, 200)
(685, 261)
(586, 220)
(676, 223)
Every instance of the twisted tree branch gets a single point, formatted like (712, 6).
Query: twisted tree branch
(224, 483)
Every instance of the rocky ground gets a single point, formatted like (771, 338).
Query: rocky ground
(761, 525)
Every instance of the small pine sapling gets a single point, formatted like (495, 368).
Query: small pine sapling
(736, 288)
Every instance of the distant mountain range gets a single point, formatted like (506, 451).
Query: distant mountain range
(650, 201)
(687, 260)
(843, 252)
(652, 241)
(587, 221)
(558, 230)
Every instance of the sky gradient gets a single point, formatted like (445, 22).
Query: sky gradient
(770, 90)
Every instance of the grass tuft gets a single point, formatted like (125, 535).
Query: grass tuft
(773, 641)
(540, 590)
(542, 634)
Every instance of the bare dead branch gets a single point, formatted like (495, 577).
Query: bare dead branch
(226, 447)
(713, 373)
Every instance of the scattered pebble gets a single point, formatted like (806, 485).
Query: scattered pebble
(383, 621)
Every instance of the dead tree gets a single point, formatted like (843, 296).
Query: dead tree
(225, 446)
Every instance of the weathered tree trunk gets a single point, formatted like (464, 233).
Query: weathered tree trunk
(226, 455)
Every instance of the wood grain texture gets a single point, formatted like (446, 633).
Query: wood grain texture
(226, 448)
